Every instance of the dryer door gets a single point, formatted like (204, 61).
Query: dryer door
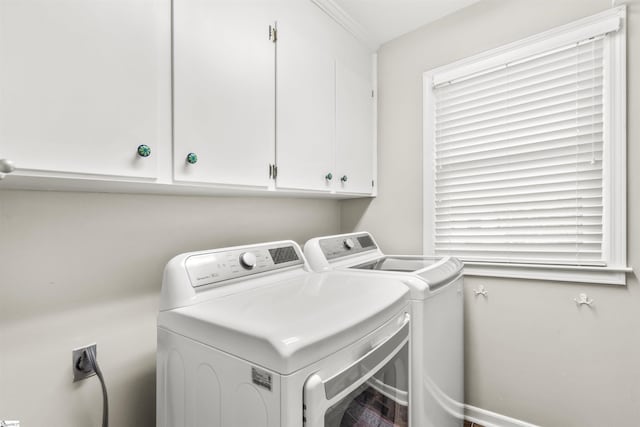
(373, 391)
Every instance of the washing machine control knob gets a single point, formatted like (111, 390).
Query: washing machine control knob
(248, 260)
(348, 243)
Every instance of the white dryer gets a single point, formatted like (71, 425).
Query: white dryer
(249, 337)
(437, 355)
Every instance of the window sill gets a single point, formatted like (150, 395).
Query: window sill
(562, 273)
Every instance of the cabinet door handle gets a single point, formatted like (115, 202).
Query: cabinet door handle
(144, 150)
(328, 176)
(344, 178)
(6, 166)
(192, 158)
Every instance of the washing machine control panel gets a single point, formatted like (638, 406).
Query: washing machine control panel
(337, 247)
(220, 266)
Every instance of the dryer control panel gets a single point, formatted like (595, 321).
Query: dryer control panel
(219, 266)
(348, 244)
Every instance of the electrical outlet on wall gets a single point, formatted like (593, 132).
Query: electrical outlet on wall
(82, 367)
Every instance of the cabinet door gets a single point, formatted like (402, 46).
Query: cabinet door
(83, 84)
(224, 91)
(306, 103)
(354, 131)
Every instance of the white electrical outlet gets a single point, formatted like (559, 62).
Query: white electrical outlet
(80, 362)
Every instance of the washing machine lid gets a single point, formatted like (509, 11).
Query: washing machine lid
(434, 271)
(292, 324)
(406, 264)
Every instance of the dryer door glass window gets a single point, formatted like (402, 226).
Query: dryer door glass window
(382, 401)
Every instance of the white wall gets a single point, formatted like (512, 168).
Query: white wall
(530, 352)
(78, 268)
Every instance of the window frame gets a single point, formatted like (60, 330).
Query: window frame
(614, 178)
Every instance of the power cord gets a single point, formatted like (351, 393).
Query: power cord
(93, 363)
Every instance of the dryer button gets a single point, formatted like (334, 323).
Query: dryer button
(248, 260)
(349, 244)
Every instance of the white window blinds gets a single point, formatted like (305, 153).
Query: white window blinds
(518, 162)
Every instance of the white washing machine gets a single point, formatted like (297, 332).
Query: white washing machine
(437, 355)
(249, 337)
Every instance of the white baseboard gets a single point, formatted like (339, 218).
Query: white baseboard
(491, 419)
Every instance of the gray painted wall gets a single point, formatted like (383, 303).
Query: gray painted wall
(78, 268)
(530, 352)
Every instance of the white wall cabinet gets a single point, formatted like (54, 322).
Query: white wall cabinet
(86, 88)
(224, 73)
(305, 105)
(83, 84)
(354, 131)
(324, 105)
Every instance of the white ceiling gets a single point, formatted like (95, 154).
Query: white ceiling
(384, 20)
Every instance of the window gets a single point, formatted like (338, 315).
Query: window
(525, 156)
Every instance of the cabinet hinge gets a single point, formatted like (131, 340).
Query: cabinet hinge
(373, 184)
(273, 171)
(373, 94)
(273, 33)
